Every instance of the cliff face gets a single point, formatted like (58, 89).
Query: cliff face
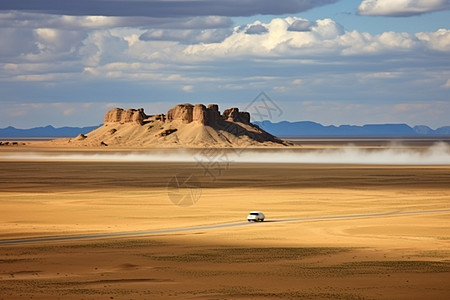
(234, 115)
(185, 113)
(181, 112)
(184, 125)
(119, 115)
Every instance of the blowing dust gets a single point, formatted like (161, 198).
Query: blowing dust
(436, 154)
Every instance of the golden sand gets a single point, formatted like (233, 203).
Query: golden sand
(383, 257)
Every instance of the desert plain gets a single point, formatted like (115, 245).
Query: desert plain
(332, 231)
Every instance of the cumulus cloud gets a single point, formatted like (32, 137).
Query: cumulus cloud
(325, 37)
(171, 47)
(52, 42)
(439, 40)
(145, 53)
(101, 48)
(163, 8)
(401, 8)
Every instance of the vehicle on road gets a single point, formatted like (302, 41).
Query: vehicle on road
(255, 216)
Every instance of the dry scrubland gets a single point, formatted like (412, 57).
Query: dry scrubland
(391, 257)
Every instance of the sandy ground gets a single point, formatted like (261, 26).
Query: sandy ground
(392, 257)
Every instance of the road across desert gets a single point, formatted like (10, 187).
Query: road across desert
(211, 227)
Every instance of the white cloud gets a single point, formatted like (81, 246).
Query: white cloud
(324, 38)
(439, 40)
(102, 47)
(156, 54)
(254, 39)
(363, 43)
(51, 42)
(399, 8)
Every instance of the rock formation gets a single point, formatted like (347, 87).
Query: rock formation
(234, 115)
(186, 113)
(201, 114)
(125, 116)
(213, 114)
(184, 125)
(181, 112)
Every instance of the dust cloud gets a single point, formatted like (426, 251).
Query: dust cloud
(436, 154)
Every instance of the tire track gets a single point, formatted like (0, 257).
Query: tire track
(212, 227)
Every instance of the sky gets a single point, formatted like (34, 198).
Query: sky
(65, 63)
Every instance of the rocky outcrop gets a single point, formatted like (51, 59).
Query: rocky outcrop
(181, 112)
(119, 115)
(213, 114)
(160, 117)
(184, 125)
(206, 115)
(199, 114)
(234, 115)
(185, 113)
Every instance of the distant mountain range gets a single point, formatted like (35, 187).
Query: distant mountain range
(281, 129)
(47, 131)
(312, 129)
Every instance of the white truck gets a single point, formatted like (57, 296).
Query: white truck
(255, 216)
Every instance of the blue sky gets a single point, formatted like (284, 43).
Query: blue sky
(335, 62)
